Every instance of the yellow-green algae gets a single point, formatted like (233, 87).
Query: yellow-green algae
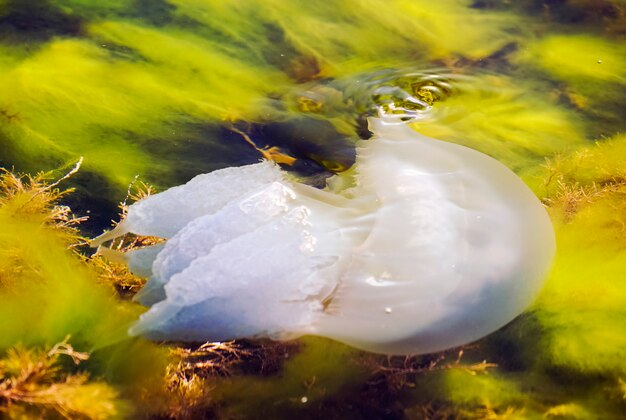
(582, 305)
(320, 369)
(515, 123)
(579, 57)
(62, 97)
(124, 84)
(209, 84)
(72, 97)
(590, 72)
(347, 36)
(49, 295)
(101, 94)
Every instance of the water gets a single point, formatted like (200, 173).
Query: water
(169, 89)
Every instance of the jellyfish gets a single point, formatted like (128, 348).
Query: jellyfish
(426, 245)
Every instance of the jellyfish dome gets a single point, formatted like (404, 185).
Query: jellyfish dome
(430, 246)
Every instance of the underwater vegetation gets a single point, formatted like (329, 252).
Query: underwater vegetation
(169, 89)
(131, 89)
(591, 72)
(63, 347)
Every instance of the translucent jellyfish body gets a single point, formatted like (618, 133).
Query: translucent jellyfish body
(432, 245)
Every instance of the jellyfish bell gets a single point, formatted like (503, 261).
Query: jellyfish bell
(432, 245)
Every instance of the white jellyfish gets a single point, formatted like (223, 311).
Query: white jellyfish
(430, 245)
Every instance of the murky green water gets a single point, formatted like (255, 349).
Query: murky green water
(163, 90)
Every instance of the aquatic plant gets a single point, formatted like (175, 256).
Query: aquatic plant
(336, 39)
(586, 192)
(590, 74)
(518, 125)
(49, 292)
(607, 15)
(33, 383)
(133, 76)
(137, 87)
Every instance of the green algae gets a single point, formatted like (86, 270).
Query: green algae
(36, 377)
(33, 21)
(582, 304)
(58, 111)
(215, 62)
(590, 74)
(517, 125)
(49, 295)
(320, 369)
(91, 10)
(208, 63)
(80, 107)
(138, 90)
(598, 15)
(581, 57)
(338, 36)
(192, 75)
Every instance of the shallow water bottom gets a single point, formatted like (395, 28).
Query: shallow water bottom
(165, 90)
